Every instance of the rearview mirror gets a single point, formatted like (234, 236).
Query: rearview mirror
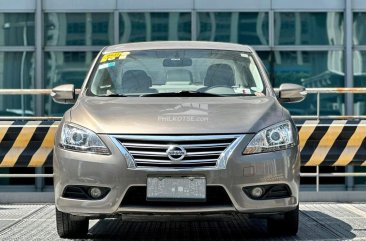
(177, 62)
(64, 94)
(291, 93)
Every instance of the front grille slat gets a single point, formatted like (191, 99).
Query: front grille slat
(163, 154)
(201, 161)
(204, 153)
(213, 145)
(187, 146)
(144, 145)
(195, 163)
(169, 162)
(141, 160)
(148, 153)
(200, 150)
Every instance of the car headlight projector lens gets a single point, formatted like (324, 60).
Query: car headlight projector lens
(273, 138)
(77, 138)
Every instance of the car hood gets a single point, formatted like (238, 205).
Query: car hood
(176, 115)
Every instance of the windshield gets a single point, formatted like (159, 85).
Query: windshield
(166, 72)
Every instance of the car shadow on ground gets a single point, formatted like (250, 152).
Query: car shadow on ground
(313, 226)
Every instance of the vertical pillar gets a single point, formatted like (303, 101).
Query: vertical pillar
(39, 108)
(194, 24)
(116, 25)
(348, 55)
(348, 22)
(88, 36)
(271, 43)
(39, 56)
(234, 27)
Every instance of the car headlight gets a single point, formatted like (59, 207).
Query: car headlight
(77, 138)
(273, 138)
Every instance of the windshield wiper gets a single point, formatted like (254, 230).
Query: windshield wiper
(184, 93)
(112, 95)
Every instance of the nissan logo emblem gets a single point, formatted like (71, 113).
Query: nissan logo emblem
(176, 153)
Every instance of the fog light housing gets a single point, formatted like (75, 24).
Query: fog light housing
(266, 192)
(95, 192)
(257, 192)
(85, 192)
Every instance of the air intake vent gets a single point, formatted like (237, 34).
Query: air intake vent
(136, 196)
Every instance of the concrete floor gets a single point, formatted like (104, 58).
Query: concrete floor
(318, 221)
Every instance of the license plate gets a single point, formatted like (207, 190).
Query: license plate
(176, 189)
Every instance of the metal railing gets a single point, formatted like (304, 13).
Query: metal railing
(29, 91)
(317, 91)
(25, 175)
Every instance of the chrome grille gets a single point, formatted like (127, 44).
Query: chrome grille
(200, 151)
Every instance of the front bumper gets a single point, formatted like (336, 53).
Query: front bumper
(74, 168)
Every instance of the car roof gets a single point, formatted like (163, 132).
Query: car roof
(177, 45)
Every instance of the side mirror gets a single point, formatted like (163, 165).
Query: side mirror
(64, 94)
(291, 93)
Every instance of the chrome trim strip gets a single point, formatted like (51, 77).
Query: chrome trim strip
(175, 138)
(139, 160)
(204, 153)
(186, 146)
(162, 146)
(163, 154)
(129, 159)
(213, 145)
(225, 155)
(168, 162)
(148, 153)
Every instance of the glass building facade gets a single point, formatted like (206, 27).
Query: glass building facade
(316, 43)
(299, 42)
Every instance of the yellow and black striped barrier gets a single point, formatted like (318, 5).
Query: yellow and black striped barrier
(27, 143)
(332, 142)
(322, 142)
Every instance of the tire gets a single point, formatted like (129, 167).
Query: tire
(288, 225)
(70, 226)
